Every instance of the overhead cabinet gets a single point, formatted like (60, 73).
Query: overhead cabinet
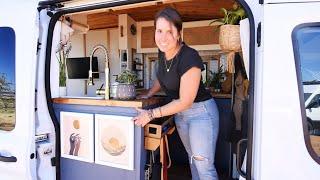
(145, 37)
(200, 35)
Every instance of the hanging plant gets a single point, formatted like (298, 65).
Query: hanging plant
(231, 17)
(229, 37)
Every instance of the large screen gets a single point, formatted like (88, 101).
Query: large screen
(78, 68)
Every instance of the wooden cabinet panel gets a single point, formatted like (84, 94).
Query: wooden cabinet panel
(147, 37)
(197, 34)
(102, 21)
(204, 35)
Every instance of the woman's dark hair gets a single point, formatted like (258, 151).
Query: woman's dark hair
(171, 15)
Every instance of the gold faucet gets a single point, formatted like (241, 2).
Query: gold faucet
(106, 69)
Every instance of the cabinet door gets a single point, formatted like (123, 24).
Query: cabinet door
(145, 37)
(201, 35)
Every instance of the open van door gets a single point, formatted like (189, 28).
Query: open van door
(18, 50)
(283, 149)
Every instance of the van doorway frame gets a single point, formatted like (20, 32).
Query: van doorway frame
(59, 12)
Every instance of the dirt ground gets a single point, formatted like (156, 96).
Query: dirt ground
(7, 119)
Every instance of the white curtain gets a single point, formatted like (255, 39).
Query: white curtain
(54, 71)
(61, 35)
(245, 41)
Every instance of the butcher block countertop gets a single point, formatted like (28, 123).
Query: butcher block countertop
(110, 102)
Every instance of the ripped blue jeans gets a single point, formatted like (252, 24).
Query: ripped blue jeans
(198, 129)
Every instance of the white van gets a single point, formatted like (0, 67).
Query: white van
(283, 41)
(312, 110)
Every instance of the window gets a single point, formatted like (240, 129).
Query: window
(306, 43)
(7, 79)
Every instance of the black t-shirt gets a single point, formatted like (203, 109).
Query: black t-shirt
(185, 59)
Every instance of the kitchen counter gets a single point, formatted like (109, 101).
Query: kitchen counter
(111, 102)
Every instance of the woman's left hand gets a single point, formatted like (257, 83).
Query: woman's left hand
(143, 117)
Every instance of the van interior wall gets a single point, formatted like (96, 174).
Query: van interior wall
(82, 44)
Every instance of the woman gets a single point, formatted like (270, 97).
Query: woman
(179, 75)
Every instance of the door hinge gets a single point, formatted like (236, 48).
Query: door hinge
(38, 46)
(53, 161)
(259, 34)
(35, 100)
(261, 1)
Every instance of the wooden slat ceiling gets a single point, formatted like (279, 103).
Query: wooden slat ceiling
(194, 10)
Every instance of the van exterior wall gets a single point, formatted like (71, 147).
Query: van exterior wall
(257, 11)
(280, 142)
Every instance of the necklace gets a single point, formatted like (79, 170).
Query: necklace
(165, 61)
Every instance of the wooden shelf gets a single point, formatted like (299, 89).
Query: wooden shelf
(137, 66)
(221, 95)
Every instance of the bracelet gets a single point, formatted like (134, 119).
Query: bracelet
(155, 113)
(150, 114)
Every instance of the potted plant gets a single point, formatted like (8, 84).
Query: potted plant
(63, 53)
(126, 87)
(215, 79)
(229, 36)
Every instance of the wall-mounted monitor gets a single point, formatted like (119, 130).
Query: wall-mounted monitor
(78, 68)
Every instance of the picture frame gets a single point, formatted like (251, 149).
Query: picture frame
(77, 136)
(214, 65)
(114, 141)
(223, 62)
(204, 73)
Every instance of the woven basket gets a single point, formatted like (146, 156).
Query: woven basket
(229, 38)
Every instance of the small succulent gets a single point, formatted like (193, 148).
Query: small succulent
(127, 77)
